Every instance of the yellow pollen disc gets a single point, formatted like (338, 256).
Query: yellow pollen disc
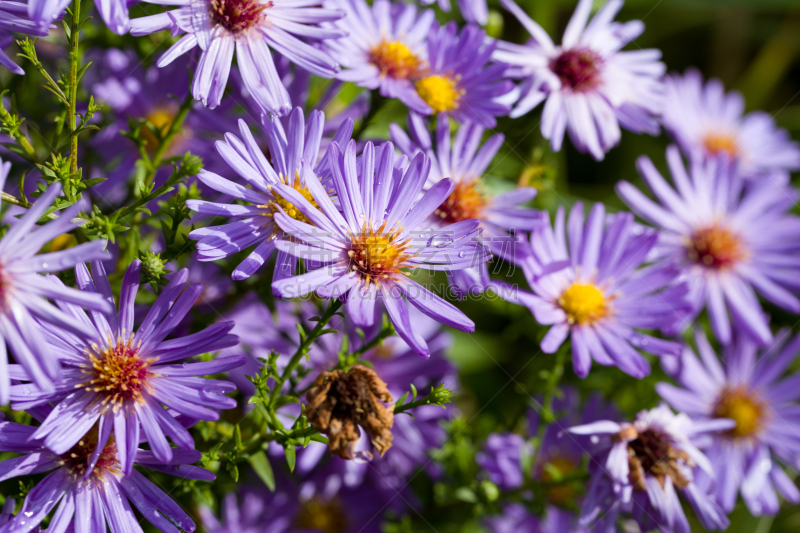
(554, 471)
(715, 246)
(378, 254)
(721, 143)
(288, 207)
(117, 373)
(744, 408)
(395, 60)
(440, 92)
(466, 202)
(583, 303)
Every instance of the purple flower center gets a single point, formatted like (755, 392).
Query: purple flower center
(76, 460)
(577, 69)
(117, 373)
(715, 247)
(237, 16)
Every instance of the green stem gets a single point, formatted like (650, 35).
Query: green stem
(73, 86)
(376, 102)
(333, 307)
(546, 415)
(411, 405)
(20, 138)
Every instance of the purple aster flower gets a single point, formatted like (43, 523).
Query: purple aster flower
(92, 497)
(730, 240)
(639, 468)
(23, 292)
(364, 253)
(590, 86)
(707, 123)
(130, 90)
(384, 48)
(254, 224)
(459, 79)
(14, 18)
(501, 459)
(463, 160)
(748, 388)
(113, 12)
(472, 10)
(253, 28)
(594, 292)
(120, 378)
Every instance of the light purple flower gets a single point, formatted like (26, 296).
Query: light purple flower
(593, 290)
(463, 160)
(364, 253)
(501, 459)
(121, 378)
(590, 86)
(707, 123)
(747, 387)
(384, 48)
(460, 80)
(514, 518)
(14, 18)
(23, 292)
(639, 468)
(113, 12)
(729, 238)
(472, 10)
(254, 224)
(254, 28)
(95, 498)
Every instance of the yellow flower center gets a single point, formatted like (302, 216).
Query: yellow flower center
(118, 373)
(715, 246)
(466, 202)
(395, 60)
(77, 458)
(288, 208)
(378, 254)
(161, 119)
(321, 515)
(553, 472)
(721, 143)
(583, 303)
(440, 92)
(743, 407)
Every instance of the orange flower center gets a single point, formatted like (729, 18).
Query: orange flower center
(378, 254)
(715, 247)
(721, 143)
(118, 373)
(467, 201)
(395, 60)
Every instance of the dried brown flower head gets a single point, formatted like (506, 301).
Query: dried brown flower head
(341, 401)
(651, 452)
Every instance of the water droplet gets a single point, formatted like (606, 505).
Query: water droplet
(44, 265)
(594, 439)
(462, 254)
(440, 241)
(28, 514)
(26, 391)
(301, 280)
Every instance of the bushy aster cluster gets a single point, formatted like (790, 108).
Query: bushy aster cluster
(236, 235)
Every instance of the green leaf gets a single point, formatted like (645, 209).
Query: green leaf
(291, 456)
(261, 465)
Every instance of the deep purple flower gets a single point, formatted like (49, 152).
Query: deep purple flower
(590, 86)
(384, 47)
(293, 154)
(254, 28)
(23, 292)
(463, 160)
(120, 378)
(639, 467)
(729, 239)
(748, 388)
(472, 10)
(14, 18)
(594, 291)
(501, 459)
(460, 80)
(92, 497)
(707, 123)
(364, 252)
(113, 12)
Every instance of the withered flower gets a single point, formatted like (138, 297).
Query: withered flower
(341, 401)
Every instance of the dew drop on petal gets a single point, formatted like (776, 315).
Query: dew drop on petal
(594, 439)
